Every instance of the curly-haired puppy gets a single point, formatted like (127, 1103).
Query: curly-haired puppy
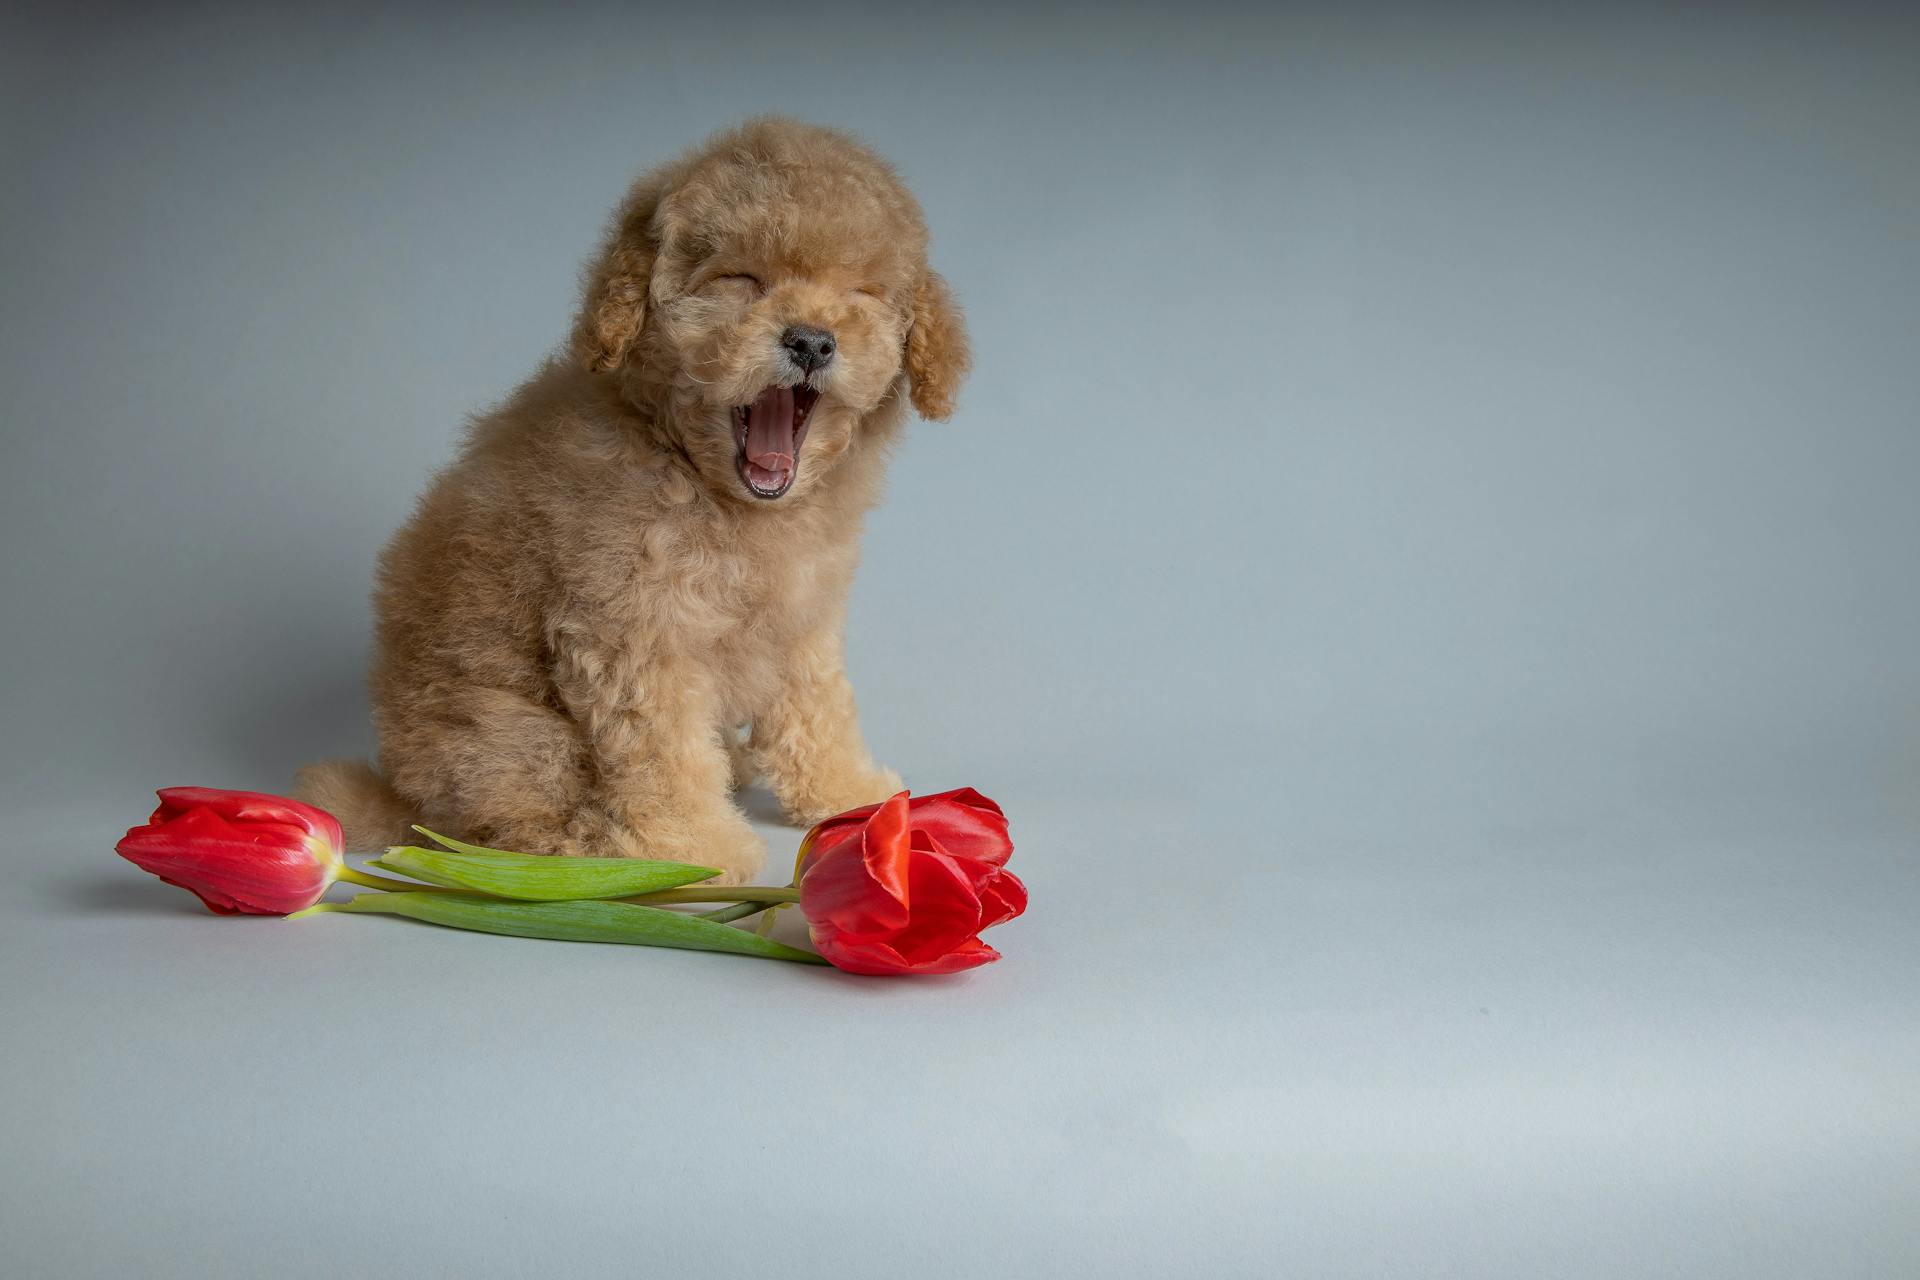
(625, 597)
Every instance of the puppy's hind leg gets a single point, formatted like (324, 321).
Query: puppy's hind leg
(498, 768)
(659, 754)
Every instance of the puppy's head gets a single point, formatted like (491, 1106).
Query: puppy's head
(769, 295)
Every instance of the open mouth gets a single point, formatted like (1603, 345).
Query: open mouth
(769, 433)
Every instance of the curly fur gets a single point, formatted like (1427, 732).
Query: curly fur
(589, 632)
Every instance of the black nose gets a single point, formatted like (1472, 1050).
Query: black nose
(810, 347)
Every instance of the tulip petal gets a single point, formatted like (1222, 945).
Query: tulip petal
(1002, 897)
(838, 891)
(829, 835)
(248, 807)
(878, 959)
(945, 909)
(218, 903)
(966, 824)
(886, 846)
(863, 889)
(968, 955)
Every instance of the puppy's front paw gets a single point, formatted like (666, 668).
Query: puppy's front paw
(821, 798)
(729, 845)
(734, 849)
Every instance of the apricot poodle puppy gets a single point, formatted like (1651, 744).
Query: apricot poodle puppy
(625, 597)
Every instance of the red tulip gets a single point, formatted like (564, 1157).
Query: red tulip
(242, 852)
(906, 886)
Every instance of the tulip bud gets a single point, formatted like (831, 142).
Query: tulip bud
(240, 851)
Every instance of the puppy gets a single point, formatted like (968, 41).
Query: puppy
(625, 597)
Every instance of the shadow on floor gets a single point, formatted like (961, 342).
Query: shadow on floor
(760, 807)
(133, 893)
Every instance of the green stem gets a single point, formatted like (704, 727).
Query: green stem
(761, 893)
(761, 896)
(367, 880)
(739, 911)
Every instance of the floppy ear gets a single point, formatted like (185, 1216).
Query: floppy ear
(937, 353)
(615, 301)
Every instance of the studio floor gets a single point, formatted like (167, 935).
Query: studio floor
(1481, 1037)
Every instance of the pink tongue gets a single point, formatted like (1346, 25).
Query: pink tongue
(770, 430)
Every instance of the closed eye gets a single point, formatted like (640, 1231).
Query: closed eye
(738, 279)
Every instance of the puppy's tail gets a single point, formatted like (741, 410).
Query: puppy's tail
(370, 811)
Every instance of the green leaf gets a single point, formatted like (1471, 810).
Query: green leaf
(461, 846)
(625, 922)
(533, 878)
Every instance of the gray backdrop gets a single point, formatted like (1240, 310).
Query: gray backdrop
(1426, 559)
